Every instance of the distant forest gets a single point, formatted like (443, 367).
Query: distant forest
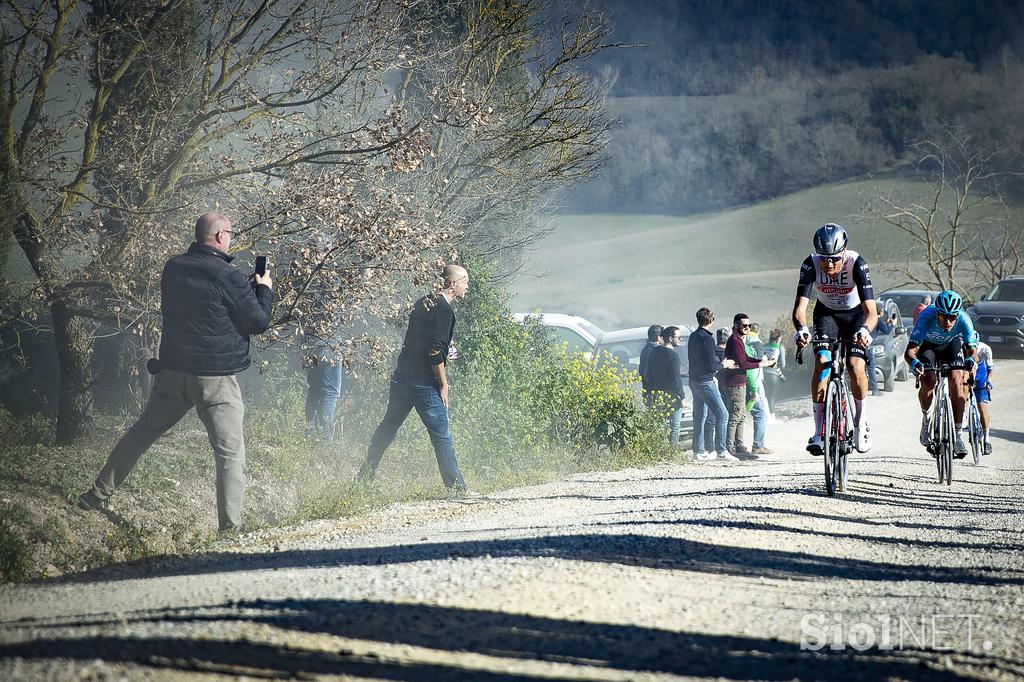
(726, 103)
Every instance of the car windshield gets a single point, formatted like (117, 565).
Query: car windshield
(1012, 290)
(907, 303)
(627, 353)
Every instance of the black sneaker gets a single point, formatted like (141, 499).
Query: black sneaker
(90, 501)
(988, 448)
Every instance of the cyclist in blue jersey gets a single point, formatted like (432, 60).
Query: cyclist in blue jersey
(943, 334)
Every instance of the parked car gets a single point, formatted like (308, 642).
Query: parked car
(578, 333)
(907, 301)
(624, 346)
(888, 349)
(999, 315)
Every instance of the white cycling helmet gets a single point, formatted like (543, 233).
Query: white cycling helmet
(830, 239)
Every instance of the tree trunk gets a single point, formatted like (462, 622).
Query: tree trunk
(74, 353)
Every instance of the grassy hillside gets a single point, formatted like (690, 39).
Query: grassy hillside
(622, 270)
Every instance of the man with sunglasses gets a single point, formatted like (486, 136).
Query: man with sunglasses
(844, 310)
(943, 334)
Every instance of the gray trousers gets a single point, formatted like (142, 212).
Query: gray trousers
(736, 402)
(218, 402)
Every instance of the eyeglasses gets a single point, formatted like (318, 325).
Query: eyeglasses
(744, 326)
(830, 259)
(946, 318)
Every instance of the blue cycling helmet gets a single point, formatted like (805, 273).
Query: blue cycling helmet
(949, 303)
(830, 239)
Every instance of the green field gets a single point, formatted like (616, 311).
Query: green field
(623, 270)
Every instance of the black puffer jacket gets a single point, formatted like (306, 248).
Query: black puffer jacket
(210, 308)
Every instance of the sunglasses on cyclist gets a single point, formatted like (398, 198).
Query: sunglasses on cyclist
(946, 318)
(830, 259)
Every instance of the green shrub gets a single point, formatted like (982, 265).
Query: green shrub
(14, 554)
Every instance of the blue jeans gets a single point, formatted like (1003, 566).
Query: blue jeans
(760, 422)
(324, 388)
(407, 393)
(872, 381)
(674, 423)
(709, 416)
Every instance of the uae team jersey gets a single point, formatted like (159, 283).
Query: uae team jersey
(927, 328)
(845, 291)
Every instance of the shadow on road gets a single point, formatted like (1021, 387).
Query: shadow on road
(1012, 436)
(625, 549)
(491, 633)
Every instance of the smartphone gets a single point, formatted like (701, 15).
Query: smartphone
(261, 265)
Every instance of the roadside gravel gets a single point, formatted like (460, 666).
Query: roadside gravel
(693, 571)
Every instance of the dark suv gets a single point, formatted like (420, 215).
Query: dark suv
(999, 315)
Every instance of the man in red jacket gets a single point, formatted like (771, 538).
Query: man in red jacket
(735, 384)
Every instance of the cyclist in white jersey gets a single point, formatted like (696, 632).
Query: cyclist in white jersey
(844, 310)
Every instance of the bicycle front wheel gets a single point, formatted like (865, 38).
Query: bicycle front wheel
(949, 443)
(832, 442)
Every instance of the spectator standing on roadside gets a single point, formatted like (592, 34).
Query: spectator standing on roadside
(324, 380)
(756, 401)
(722, 335)
(209, 310)
(735, 380)
(773, 376)
(708, 406)
(882, 327)
(664, 368)
(420, 380)
(926, 301)
(721, 339)
(653, 341)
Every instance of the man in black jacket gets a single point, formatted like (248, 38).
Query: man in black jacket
(707, 400)
(653, 341)
(210, 309)
(663, 369)
(421, 381)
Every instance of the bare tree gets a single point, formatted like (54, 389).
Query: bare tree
(960, 231)
(124, 120)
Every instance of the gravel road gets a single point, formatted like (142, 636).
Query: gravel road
(735, 571)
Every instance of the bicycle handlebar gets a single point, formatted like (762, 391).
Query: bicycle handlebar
(939, 369)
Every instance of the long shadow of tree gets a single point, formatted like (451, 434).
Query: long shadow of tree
(620, 647)
(629, 549)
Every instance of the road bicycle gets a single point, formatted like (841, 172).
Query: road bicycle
(837, 424)
(974, 431)
(943, 426)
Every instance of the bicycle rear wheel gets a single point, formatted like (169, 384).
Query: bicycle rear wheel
(974, 431)
(831, 443)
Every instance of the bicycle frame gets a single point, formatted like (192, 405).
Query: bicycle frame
(943, 425)
(837, 424)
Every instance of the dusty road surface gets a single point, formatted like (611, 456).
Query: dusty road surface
(735, 571)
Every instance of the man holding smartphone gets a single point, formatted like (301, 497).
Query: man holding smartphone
(210, 309)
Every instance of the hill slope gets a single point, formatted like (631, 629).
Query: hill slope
(624, 270)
